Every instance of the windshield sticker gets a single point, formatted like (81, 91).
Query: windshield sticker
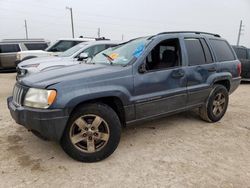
(138, 51)
(114, 55)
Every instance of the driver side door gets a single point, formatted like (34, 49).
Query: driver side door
(161, 88)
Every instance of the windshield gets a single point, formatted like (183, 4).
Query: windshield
(72, 50)
(62, 45)
(122, 54)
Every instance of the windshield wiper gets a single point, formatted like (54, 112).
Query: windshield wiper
(110, 59)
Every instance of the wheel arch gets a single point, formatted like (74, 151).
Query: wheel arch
(113, 102)
(225, 82)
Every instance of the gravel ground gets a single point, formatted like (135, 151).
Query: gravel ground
(176, 151)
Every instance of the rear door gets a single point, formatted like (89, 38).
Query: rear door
(200, 66)
(8, 55)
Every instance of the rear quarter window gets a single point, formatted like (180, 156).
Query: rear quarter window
(222, 50)
(9, 48)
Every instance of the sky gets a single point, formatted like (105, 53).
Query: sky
(50, 19)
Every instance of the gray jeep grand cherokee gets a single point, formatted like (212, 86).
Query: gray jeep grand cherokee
(84, 106)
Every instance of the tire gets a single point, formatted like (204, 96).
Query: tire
(82, 143)
(215, 109)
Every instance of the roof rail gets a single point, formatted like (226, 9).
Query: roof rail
(195, 32)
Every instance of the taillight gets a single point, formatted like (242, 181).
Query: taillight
(239, 69)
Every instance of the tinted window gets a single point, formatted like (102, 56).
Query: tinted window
(195, 52)
(9, 48)
(241, 53)
(248, 53)
(63, 45)
(208, 55)
(36, 46)
(222, 50)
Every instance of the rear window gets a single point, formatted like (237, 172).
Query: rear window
(222, 50)
(36, 46)
(9, 48)
(195, 52)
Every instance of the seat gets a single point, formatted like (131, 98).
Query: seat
(168, 60)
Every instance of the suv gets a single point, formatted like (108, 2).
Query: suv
(58, 47)
(10, 47)
(244, 56)
(84, 106)
(71, 56)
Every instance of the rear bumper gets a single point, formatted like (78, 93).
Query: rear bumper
(49, 123)
(235, 82)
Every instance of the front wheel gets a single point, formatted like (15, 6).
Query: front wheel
(216, 105)
(92, 133)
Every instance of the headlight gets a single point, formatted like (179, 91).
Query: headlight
(39, 98)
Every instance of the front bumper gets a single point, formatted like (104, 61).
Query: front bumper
(49, 123)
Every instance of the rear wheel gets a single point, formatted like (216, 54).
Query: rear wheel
(216, 105)
(92, 134)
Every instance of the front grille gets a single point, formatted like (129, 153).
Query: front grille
(18, 94)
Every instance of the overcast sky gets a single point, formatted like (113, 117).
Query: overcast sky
(49, 19)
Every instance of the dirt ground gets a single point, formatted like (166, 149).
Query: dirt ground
(177, 151)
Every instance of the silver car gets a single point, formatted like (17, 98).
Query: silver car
(72, 56)
(10, 47)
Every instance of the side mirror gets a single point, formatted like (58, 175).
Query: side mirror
(83, 56)
(142, 68)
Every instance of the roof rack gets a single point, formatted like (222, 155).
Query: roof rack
(195, 32)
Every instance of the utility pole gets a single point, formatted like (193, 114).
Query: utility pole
(240, 32)
(99, 32)
(122, 37)
(26, 29)
(72, 23)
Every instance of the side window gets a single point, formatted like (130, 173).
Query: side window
(195, 52)
(98, 49)
(222, 50)
(208, 55)
(89, 51)
(165, 55)
(9, 48)
(36, 46)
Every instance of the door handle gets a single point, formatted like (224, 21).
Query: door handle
(212, 69)
(178, 74)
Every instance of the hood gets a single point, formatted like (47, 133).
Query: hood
(38, 60)
(81, 72)
(46, 63)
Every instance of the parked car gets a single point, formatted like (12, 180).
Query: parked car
(10, 47)
(84, 106)
(56, 48)
(71, 56)
(243, 54)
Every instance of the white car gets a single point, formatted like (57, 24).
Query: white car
(58, 47)
(72, 56)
